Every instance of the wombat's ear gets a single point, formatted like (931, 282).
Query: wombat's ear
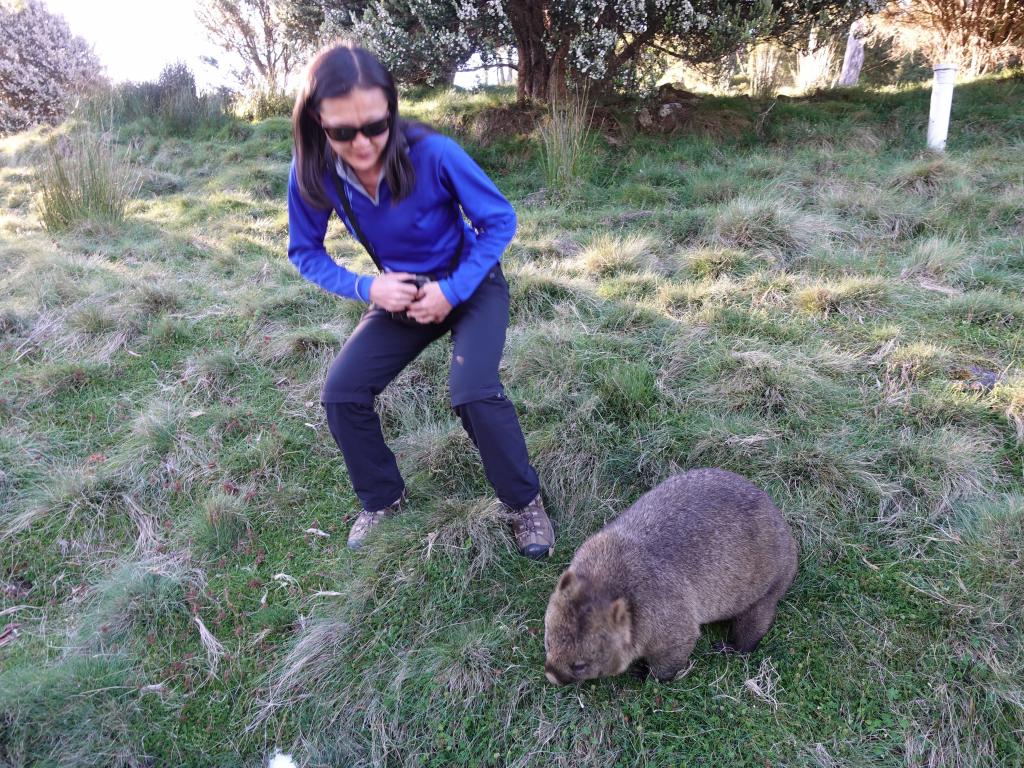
(620, 613)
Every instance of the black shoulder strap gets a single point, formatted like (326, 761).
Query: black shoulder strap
(366, 243)
(352, 219)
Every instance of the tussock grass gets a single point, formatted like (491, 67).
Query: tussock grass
(940, 258)
(219, 524)
(887, 214)
(84, 180)
(766, 225)
(565, 140)
(608, 255)
(848, 296)
(84, 710)
(992, 309)
(212, 372)
(713, 262)
(279, 344)
(925, 175)
(133, 601)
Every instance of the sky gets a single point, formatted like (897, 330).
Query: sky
(136, 40)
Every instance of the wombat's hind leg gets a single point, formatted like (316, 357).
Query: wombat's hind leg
(750, 626)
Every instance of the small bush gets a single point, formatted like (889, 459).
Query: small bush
(84, 179)
(171, 106)
(261, 104)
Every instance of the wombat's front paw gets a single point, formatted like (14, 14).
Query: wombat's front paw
(639, 670)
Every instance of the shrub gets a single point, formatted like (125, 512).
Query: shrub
(43, 65)
(261, 104)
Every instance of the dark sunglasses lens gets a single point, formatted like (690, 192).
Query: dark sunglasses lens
(347, 132)
(375, 129)
(342, 133)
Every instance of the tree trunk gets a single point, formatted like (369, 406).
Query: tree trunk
(854, 58)
(541, 74)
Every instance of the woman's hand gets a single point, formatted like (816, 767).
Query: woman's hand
(388, 291)
(430, 306)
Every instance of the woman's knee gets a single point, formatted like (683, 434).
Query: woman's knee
(346, 383)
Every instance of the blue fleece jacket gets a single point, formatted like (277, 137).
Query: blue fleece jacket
(417, 234)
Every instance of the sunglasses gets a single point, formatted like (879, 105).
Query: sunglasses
(348, 132)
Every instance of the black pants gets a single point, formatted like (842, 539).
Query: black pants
(377, 351)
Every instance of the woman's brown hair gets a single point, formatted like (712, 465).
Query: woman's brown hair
(335, 71)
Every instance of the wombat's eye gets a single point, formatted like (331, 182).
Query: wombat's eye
(579, 668)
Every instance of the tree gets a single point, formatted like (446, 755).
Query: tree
(976, 35)
(43, 66)
(419, 41)
(596, 43)
(256, 31)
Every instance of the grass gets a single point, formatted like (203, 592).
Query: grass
(817, 304)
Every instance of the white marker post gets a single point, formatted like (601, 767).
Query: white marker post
(942, 101)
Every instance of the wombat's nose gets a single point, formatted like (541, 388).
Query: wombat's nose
(552, 675)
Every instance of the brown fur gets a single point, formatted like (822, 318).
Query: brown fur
(704, 546)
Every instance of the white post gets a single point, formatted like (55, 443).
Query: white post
(942, 100)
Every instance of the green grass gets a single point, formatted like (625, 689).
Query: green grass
(814, 304)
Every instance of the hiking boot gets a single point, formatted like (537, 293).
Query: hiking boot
(368, 520)
(534, 534)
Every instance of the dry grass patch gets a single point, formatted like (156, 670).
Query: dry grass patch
(712, 262)
(849, 296)
(608, 254)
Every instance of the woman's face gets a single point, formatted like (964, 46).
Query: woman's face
(358, 107)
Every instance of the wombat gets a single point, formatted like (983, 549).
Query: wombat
(705, 545)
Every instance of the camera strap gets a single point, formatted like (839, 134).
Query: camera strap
(347, 205)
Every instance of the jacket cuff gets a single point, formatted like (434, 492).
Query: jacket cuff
(446, 288)
(361, 293)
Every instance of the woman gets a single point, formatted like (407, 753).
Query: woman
(402, 190)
